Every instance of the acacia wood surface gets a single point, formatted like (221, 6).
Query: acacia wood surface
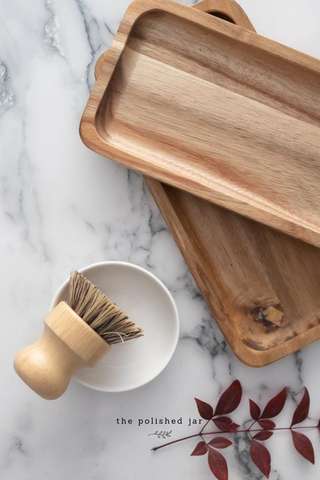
(215, 110)
(262, 286)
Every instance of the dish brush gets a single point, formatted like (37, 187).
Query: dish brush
(77, 334)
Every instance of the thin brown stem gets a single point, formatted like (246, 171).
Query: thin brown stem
(204, 426)
(247, 430)
(251, 425)
(154, 449)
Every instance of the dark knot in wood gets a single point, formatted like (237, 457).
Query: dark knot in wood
(271, 316)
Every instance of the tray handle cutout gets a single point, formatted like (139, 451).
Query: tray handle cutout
(227, 10)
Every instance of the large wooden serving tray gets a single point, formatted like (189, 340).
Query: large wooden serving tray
(261, 286)
(215, 110)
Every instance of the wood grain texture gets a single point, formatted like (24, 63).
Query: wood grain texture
(215, 110)
(261, 286)
(67, 344)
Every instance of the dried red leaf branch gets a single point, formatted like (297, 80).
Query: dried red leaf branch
(301, 442)
(260, 455)
(229, 399)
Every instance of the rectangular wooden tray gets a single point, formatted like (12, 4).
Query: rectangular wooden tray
(261, 286)
(215, 110)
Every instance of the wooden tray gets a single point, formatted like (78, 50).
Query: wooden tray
(261, 286)
(215, 110)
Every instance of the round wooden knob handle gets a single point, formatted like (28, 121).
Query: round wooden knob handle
(47, 366)
(67, 344)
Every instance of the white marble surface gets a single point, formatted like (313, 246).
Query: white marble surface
(64, 207)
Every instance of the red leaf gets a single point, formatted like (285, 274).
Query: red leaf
(267, 424)
(302, 410)
(201, 449)
(261, 436)
(303, 445)
(233, 427)
(275, 405)
(220, 442)
(218, 465)
(225, 424)
(205, 410)
(255, 411)
(230, 399)
(261, 457)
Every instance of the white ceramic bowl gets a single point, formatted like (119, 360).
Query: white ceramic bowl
(149, 303)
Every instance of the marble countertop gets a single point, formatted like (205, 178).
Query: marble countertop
(64, 207)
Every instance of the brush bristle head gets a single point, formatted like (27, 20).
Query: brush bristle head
(98, 311)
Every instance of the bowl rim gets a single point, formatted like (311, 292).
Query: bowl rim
(176, 320)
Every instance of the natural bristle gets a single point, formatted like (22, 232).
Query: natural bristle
(98, 311)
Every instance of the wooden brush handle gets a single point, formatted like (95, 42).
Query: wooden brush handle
(67, 344)
(47, 366)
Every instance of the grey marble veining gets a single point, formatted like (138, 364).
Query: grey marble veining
(63, 207)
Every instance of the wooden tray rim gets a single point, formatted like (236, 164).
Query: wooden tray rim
(247, 355)
(223, 193)
(107, 62)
